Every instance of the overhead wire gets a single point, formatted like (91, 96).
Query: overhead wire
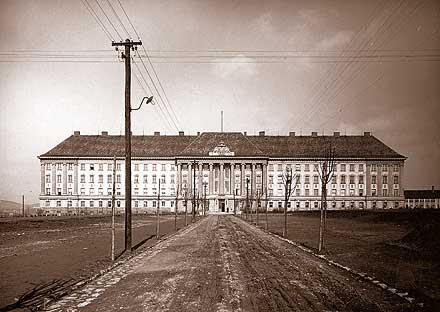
(108, 19)
(97, 19)
(119, 20)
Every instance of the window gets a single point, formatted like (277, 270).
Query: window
(384, 168)
(384, 179)
(172, 181)
(351, 167)
(92, 178)
(59, 191)
(334, 179)
(47, 166)
(307, 192)
(47, 178)
(136, 167)
(58, 203)
(298, 192)
(145, 179)
(315, 192)
(145, 204)
(384, 205)
(47, 203)
(270, 179)
(70, 178)
(396, 179)
(343, 204)
(173, 168)
(109, 204)
(307, 179)
(315, 179)
(164, 167)
(154, 167)
(361, 205)
(136, 204)
(361, 168)
(396, 193)
(109, 178)
(373, 192)
(343, 167)
(154, 204)
(270, 204)
(69, 166)
(83, 203)
(101, 167)
(118, 178)
(118, 203)
(109, 167)
(109, 191)
(163, 203)
(59, 178)
(92, 166)
(342, 192)
(58, 166)
(361, 179)
(118, 167)
(92, 191)
(100, 178)
(333, 192)
(373, 180)
(270, 167)
(307, 205)
(361, 192)
(297, 204)
(280, 204)
(298, 167)
(48, 191)
(136, 178)
(384, 192)
(352, 179)
(154, 179)
(396, 168)
(83, 191)
(162, 179)
(342, 179)
(100, 191)
(83, 167)
(100, 203)
(315, 204)
(374, 168)
(316, 167)
(69, 191)
(145, 167)
(92, 203)
(307, 167)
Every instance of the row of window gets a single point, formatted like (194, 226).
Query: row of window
(136, 178)
(333, 204)
(105, 204)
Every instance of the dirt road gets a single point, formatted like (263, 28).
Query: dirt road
(224, 264)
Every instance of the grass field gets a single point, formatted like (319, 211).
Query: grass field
(400, 247)
(60, 251)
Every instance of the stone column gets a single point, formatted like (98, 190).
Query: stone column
(264, 179)
(243, 180)
(232, 176)
(42, 179)
(75, 179)
(190, 179)
(64, 178)
(222, 180)
(54, 179)
(200, 175)
(211, 179)
(254, 180)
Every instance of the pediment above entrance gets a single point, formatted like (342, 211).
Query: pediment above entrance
(221, 150)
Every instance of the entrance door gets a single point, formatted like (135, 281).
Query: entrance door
(222, 205)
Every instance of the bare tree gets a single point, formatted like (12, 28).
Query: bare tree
(185, 196)
(290, 181)
(325, 171)
(265, 207)
(258, 195)
(176, 206)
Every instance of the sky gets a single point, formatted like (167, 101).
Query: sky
(278, 66)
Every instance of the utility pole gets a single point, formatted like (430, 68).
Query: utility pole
(113, 208)
(176, 205)
(24, 214)
(128, 44)
(204, 199)
(158, 212)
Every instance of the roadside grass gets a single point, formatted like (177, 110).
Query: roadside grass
(399, 247)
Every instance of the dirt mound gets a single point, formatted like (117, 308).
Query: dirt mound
(424, 238)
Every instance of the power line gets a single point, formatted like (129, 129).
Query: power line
(119, 20)
(97, 19)
(108, 19)
(128, 18)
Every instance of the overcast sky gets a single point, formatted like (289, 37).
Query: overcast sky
(396, 97)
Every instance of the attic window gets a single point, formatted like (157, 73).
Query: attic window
(92, 166)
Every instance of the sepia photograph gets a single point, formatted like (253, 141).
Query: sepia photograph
(220, 155)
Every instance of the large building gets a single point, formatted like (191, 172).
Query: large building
(223, 170)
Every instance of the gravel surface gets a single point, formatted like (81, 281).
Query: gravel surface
(225, 264)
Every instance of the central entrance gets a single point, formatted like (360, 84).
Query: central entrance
(222, 205)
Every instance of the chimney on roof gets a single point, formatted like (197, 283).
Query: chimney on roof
(433, 189)
(336, 133)
(181, 133)
(367, 133)
(198, 133)
(104, 133)
(292, 133)
(261, 133)
(245, 133)
(76, 133)
(156, 133)
(314, 134)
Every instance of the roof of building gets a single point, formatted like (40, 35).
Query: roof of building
(422, 194)
(238, 144)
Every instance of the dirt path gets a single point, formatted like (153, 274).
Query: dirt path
(225, 264)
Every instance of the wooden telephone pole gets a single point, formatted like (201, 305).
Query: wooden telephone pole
(128, 44)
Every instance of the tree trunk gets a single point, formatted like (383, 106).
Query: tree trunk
(322, 219)
(285, 218)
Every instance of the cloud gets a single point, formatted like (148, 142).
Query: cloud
(335, 40)
(236, 67)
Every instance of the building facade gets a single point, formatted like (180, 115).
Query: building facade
(422, 198)
(223, 172)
